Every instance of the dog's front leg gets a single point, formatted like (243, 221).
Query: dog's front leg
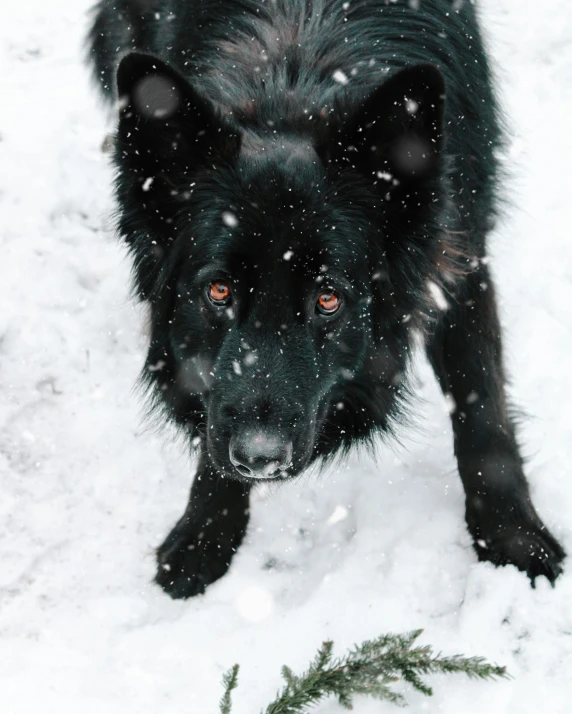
(465, 352)
(200, 547)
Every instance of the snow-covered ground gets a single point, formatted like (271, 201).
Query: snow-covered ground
(86, 492)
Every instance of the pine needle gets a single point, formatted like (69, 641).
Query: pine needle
(368, 669)
(230, 682)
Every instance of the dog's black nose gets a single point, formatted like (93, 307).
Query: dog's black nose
(259, 454)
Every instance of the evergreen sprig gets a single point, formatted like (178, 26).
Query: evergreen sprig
(230, 682)
(369, 669)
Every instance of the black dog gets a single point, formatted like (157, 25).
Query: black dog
(303, 186)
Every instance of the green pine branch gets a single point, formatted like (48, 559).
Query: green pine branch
(230, 682)
(368, 669)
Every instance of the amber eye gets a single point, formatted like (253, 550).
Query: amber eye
(219, 293)
(328, 302)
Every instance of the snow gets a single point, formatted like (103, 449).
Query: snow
(87, 491)
(340, 77)
(229, 219)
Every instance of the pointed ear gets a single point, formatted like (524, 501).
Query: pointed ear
(395, 137)
(166, 132)
(165, 128)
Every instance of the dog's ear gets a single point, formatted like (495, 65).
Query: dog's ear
(166, 132)
(395, 137)
(165, 127)
(394, 141)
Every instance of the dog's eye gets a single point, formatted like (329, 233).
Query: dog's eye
(328, 302)
(219, 293)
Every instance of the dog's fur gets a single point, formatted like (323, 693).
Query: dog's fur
(291, 148)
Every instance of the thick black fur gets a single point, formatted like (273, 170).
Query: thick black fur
(292, 147)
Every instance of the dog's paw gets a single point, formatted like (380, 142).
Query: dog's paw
(531, 548)
(187, 564)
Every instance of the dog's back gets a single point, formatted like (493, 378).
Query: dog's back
(273, 64)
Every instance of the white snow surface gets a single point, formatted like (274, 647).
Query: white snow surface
(87, 492)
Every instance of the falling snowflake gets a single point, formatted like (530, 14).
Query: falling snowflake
(411, 106)
(229, 219)
(340, 514)
(255, 604)
(340, 77)
(450, 403)
(437, 295)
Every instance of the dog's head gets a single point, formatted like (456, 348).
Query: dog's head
(280, 261)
